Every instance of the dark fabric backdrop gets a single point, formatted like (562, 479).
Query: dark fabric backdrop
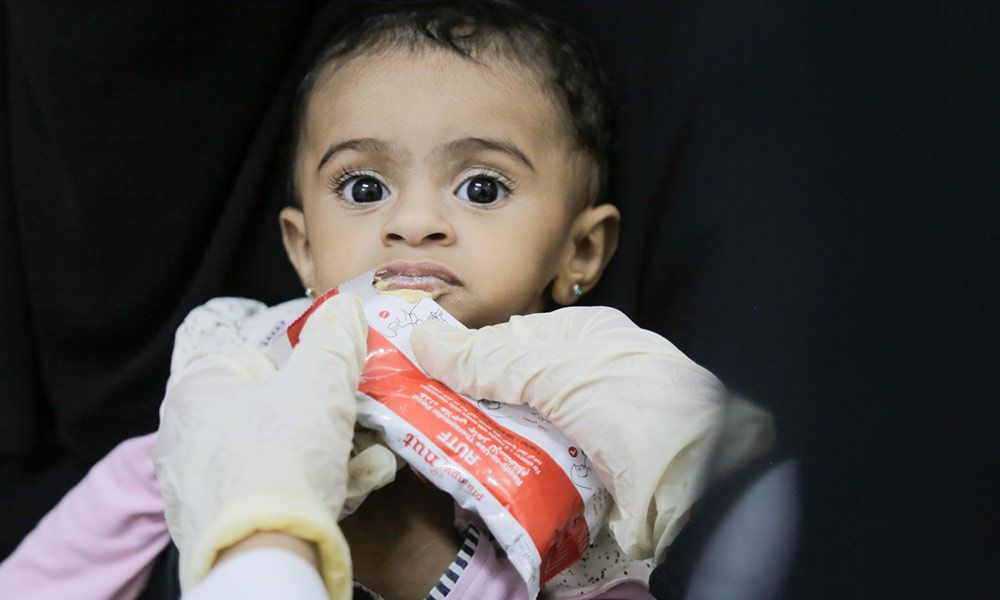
(810, 201)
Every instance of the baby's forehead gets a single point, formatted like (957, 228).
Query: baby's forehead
(478, 93)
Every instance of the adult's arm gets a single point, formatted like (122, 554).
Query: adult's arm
(245, 446)
(261, 573)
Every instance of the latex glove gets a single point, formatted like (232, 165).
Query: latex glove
(646, 415)
(245, 447)
(372, 466)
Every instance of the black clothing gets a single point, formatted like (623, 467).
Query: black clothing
(809, 193)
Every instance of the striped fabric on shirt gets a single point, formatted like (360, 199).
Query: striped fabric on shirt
(470, 539)
(447, 581)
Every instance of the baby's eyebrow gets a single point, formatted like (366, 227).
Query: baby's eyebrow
(368, 145)
(474, 143)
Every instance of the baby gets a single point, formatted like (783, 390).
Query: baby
(460, 157)
(457, 148)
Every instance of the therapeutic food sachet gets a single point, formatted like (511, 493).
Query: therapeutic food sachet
(532, 487)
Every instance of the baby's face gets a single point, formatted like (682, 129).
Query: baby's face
(443, 175)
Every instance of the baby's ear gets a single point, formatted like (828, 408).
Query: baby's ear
(293, 235)
(593, 238)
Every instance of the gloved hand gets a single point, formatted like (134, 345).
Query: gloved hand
(246, 447)
(372, 466)
(646, 415)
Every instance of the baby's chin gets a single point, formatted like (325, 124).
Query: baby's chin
(476, 319)
(468, 312)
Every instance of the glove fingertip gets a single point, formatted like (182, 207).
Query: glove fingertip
(338, 318)
(372, 468)
(342, 306)
(430, 339)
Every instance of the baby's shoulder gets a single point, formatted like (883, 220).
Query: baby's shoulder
(227, 324)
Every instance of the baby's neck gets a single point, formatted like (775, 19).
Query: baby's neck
(402, 538)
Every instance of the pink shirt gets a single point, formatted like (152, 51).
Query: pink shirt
(101, 540)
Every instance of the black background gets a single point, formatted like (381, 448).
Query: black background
(810, 194)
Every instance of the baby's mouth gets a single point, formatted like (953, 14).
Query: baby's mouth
(433, 279)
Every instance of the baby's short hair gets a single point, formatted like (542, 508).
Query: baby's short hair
(567, 66)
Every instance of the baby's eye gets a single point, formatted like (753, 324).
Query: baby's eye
(483, 189)
(362, 189)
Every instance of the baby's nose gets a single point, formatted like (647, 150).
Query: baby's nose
(416, 220)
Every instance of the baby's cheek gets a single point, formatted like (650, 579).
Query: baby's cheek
(499, 309)
(337, 265)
